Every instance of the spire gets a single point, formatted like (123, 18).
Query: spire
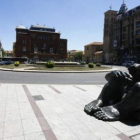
(110, 7)
(0, 44)
(123, 8)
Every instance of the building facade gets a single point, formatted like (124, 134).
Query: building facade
(8, 53)
(123, 43)
(39, 43)
(94, 52)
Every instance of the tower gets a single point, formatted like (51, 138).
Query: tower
(109, 18)
(0, 49)
(122, 11)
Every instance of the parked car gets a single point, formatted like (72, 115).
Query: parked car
(2, 63)
(32, 62)
(129, 63)
(6, 62)
(124, 63)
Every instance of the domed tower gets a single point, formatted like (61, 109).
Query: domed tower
(0, 49)
(122, 11)
(0, 44)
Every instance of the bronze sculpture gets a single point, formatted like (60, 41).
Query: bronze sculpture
(119, 98)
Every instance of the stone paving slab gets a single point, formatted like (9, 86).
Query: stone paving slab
(57, 115)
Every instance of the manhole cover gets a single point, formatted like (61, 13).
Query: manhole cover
(38, 97)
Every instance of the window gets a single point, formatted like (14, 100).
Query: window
(24, 49)
(49, 37)
(138, 24)
(51, 50)
(124, 36)
(35, 49)
(138, 41)
(61, 44)
(138, 32)
(24, 42)
(124, 29)
(44, 46)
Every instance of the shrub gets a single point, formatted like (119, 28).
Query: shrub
(16, 63)
(50, 64)
(98, 64)
(90, 65)
(83, 62)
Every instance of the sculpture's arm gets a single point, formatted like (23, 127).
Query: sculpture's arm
(120, 76)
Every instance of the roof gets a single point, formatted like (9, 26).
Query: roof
(111, 11)
(75, 51)
(8, 51)
(21, 27)
(42, 28)
(39, 26)
(45, 31)
(95, 43)
(99, 52)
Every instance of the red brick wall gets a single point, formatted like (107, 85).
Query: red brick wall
(30, 39)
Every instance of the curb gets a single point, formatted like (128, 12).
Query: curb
(37, 71)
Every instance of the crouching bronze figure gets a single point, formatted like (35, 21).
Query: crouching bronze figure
(119, 98)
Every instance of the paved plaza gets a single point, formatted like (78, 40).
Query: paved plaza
(55, 112)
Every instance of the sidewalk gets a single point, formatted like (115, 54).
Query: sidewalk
(55, 112)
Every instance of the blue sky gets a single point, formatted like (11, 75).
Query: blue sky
(79, 21)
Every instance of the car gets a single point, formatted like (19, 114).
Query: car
(32, 62)
(124, 63)
(2, 63)
(129, 63)
(6, 62)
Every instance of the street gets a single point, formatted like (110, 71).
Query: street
(55, 78)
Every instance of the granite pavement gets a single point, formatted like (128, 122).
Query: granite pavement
(55, 112)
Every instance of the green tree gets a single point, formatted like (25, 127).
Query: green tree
(78, 56)
(3, 53)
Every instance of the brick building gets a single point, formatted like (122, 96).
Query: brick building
(39, 43)
(122, 35)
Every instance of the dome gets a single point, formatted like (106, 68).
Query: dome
(21, 27)
(123, 9)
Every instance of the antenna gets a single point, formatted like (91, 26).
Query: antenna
(123, 1)
(110, 7)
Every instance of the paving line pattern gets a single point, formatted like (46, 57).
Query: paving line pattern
(58, 116)
(49, 135)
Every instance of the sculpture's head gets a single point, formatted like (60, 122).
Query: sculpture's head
(134, 70)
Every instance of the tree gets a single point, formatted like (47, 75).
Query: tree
(78, 56)
(3, 52)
